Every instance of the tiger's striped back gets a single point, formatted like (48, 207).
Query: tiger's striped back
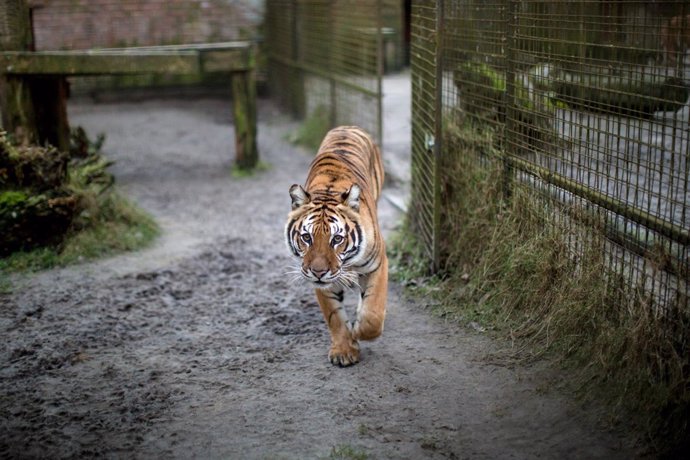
(347, 155)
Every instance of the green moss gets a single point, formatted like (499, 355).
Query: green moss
(241, 173)
(484, 73)
(313, 129)
(9, 199)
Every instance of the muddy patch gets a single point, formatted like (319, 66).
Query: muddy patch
(85, 361)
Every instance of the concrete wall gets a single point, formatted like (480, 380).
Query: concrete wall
(78, 24)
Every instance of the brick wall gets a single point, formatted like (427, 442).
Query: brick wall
(79, 24)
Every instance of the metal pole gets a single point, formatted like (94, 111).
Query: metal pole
(379, 71)
(508, 103)
(438, 136)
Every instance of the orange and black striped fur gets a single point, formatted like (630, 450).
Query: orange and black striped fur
(333, 231)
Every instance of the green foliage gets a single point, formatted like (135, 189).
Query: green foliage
(117, 226)
(52, 219)
(312, 131)
(346, 452)
(241, 173)
(482, 74)
(11, 198)
(481, 89)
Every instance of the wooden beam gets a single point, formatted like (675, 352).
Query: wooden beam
(70, 63)
(44, 72)
(228, 60)
(234, 45)
(181, 60)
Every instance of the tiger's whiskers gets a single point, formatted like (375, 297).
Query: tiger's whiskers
(348, 280)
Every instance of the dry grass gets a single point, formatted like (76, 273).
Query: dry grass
(514, 266)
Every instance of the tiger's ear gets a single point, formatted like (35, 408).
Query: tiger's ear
(351, 197)
(299, 196)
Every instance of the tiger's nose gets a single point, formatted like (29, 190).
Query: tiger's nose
(319, 273)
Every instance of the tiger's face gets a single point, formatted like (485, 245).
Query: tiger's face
(324, 234)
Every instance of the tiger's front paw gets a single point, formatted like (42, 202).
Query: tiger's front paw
(344, 355)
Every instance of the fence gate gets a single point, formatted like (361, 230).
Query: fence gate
(325, 59)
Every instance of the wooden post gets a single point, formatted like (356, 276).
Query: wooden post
(51, 111)
(16, 100)
(244, 110)
(33, 109)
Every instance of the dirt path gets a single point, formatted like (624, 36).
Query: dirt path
(200, 348)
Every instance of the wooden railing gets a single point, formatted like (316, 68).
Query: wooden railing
(33, 87)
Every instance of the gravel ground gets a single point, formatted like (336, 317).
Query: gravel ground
(200, 347)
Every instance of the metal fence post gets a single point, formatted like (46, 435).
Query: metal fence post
(438, 137)
(509, 130)
(297, 100)
(380, 56)
(333, 95)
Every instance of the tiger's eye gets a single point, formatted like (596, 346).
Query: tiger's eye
(337, 239)
(306, 237)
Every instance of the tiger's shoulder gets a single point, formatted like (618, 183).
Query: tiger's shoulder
(348, 154)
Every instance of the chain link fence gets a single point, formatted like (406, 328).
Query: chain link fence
(325, 59)
(587, 104)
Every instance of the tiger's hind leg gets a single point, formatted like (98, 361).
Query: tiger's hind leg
(344, 349)
(371, 311)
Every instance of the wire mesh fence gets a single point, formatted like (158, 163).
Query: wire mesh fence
(325, 60)
(424, 200)
(587, 103)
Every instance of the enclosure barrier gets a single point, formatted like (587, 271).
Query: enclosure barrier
(587, 106)
(325, 59)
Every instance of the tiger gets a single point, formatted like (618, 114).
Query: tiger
(333, 233)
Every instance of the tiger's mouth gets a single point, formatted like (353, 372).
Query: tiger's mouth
(326, 281)
(321, 284)
(342, 279)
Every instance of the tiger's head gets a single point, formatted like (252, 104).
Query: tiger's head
(324, 232)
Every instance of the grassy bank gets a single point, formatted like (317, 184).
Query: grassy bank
(116, 226)
(60, 208)
(536, 273)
